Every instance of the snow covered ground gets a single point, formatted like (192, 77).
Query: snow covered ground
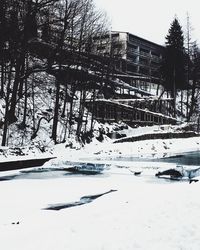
(155, 148)
(144, 212)
(141, 211)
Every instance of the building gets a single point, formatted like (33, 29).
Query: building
(136, 57)
(139, 97)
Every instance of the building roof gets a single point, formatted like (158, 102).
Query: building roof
(143, 39)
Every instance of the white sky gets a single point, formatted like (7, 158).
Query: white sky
(151, 19)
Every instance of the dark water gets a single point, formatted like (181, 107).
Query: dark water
(190, 158)
(43, 173)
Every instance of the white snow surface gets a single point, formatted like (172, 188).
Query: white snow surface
(145, 212)
(107, 150)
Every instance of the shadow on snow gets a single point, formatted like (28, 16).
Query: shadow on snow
(83, 200)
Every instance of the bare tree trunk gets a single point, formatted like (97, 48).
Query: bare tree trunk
(174, 90)
(25, 105)
(181, 101)
(93, 103)
(6, 120)
(71, 108)
(191, 110)
(58, 80)
(12, 117)
(33, 100)
(188, 37)
(2, 80)
(81, 112)
(56, 112)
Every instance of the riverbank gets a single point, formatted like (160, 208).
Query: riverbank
(156, 136)
(21, 163)
(146, 149)
(162, 145)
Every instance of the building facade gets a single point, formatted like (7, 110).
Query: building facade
(136, 56)
(139, 95)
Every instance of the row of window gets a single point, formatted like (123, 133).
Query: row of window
(143, 61)
(142, 70)
(144, 52)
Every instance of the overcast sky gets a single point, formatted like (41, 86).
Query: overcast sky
(151, 19)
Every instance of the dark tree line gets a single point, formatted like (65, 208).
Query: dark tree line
(180, 69)
(55, 37)
(41, 39)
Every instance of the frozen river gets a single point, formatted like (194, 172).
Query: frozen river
(49, 208)
(135, 164)
(189, 158)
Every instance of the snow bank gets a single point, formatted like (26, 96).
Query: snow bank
(139, 149)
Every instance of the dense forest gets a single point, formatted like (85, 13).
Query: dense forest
(47, 45)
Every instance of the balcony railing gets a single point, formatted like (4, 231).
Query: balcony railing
(155, 58)
(132, 51)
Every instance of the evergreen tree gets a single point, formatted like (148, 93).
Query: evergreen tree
(174, 60)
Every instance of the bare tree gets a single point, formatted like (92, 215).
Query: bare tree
(195, 80)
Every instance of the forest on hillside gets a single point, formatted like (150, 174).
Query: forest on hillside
(48, 68)
(45, 48)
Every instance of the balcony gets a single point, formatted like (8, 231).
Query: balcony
(132, 50)
(155, 58)
(144, 62)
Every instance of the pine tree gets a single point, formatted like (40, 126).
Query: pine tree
(174, 60)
